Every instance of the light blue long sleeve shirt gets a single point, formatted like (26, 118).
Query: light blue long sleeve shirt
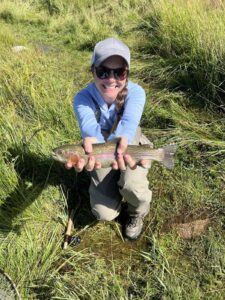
(85, 108)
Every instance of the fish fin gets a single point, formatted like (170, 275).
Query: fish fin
(169, 151)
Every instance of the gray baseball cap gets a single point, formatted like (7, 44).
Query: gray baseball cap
(107, 48)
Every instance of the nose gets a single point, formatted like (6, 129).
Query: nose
(111, 76)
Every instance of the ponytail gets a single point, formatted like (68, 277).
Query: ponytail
(121, 97)
(120, 105)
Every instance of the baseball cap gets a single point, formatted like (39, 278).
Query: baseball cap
(107, 48)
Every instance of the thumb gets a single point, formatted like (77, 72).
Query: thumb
(87, 144)
(122, 145)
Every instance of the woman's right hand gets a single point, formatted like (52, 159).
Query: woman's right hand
(91, 163)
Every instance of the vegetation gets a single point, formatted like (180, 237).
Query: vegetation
(178, 50)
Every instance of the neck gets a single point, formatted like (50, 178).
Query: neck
(109, 102)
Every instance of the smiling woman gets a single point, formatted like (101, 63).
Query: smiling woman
(111, 78)
(119, 104)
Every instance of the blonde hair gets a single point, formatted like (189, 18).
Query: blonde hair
(121, 97)
(120, 104)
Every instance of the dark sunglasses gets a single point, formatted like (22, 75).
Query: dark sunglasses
(104, 72)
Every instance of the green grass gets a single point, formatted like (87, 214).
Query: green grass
(186, 47)
(178, 57)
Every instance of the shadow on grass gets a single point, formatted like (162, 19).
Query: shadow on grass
(35, 173)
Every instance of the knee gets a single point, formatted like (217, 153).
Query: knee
(132, 186)
(103, 213)
(136, 192)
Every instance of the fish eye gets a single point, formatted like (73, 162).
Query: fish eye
(60, 152)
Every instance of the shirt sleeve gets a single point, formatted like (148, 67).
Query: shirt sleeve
(85, 113)
(133, 109)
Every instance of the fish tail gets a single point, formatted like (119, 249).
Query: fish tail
(169, 151)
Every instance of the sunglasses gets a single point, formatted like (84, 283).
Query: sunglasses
(104, 72)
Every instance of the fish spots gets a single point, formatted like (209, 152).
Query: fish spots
(105, 156)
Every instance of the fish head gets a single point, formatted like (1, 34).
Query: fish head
(66, 154)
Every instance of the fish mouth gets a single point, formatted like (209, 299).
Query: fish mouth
(57, 157)
(54, 155)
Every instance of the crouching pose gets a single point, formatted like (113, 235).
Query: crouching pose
(111, 107)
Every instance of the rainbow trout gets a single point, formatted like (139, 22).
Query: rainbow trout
(106, 153)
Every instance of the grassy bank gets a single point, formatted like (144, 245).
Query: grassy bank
(178, 57)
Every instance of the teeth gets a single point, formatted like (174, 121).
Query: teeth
(110, 86)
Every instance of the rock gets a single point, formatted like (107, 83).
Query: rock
(18, 49)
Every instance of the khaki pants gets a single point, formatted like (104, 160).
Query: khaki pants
(109, 187)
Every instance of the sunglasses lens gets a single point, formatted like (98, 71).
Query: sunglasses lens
(120, 73)
(104, 73)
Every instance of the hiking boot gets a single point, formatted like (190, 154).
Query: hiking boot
(133, 227)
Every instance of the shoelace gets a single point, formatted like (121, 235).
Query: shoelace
(132, 222)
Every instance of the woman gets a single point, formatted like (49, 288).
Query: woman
(111, 107)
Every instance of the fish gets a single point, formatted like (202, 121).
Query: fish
(106, 153)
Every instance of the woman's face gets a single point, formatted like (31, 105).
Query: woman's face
(110, 86)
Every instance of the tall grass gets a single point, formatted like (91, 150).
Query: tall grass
(187, 38)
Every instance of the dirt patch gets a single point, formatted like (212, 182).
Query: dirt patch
(192, 229)
(188, 225)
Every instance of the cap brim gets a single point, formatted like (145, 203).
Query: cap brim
(111, 52)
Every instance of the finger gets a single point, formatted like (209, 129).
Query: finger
(91, 163)
(115, 165)
(121, 162)
(122, 146)
(130, 162)
(144, 164)
(98, 165)
(72, 161)
(87, 144)
(80, 165)
(68, 165)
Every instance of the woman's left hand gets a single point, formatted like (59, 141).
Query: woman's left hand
(124, 160)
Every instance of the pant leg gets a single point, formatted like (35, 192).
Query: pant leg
(135, 191)
(134, 185)
(105, 198)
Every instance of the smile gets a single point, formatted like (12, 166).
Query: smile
(110, 87)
